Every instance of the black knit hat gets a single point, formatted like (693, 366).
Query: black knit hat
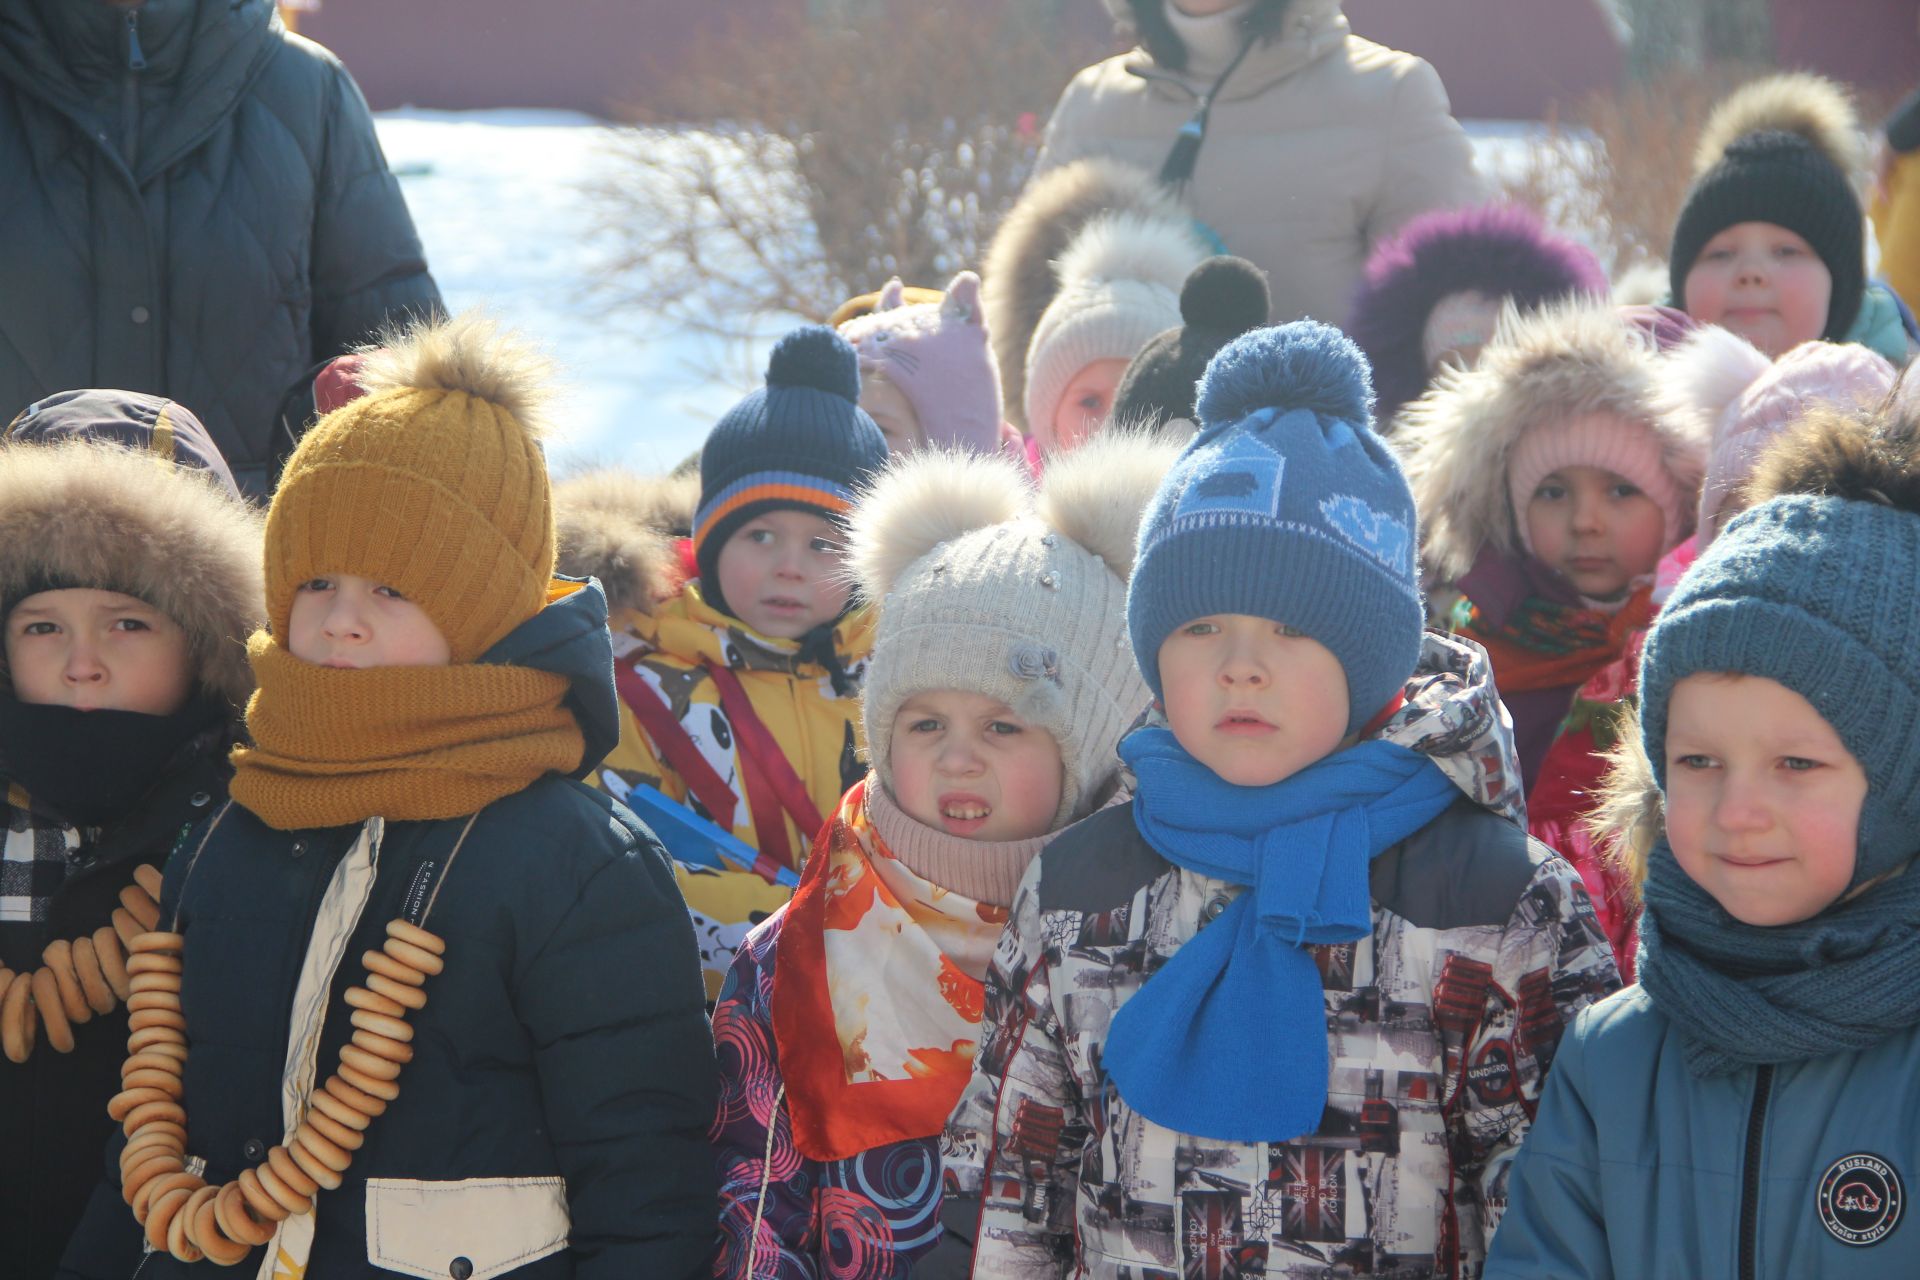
(1222, 298)
(802, 442)
(1777, 176)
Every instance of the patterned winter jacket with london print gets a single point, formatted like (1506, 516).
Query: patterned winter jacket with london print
(1441, 1025)
(794, 695)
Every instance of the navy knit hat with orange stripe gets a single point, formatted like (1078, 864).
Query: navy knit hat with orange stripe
(800, 443)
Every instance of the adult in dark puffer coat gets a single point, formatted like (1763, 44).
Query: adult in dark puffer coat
(93, 795)
(196, 207)
(1433, 292)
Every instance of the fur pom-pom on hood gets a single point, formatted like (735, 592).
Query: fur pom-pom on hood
(619, 526)
(1018, 279)
(1096, 494)
(469, 353)
(1705, 376)
(1144, 247)
(1862, 457)
(922, 500)
(91, 513)
(1811, 106)
(1550, 365)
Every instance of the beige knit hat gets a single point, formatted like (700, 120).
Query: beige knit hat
(1120, 284)
(986, 586)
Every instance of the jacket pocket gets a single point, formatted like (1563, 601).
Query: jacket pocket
(495, 1224)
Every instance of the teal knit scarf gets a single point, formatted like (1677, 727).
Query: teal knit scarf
(1743, 994)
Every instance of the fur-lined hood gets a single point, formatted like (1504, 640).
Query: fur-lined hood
(1629, 814)
(1564, 360)
(1019, 277)
(619, 526)
(1862, 455)
(1497, 250)
(87, 512)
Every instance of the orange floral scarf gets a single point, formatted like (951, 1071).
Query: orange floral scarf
(1565, 652)
(875, 1007)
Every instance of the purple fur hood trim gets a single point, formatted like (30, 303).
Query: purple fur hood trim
(1497, 249)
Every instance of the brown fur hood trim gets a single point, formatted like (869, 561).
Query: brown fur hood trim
(1572, 358)
(1629, 813)
(1798, 102)
(90, 513)
(1018, 279)
(619, 526)
(1863, 457)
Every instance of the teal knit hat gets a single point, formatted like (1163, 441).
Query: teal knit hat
(1817, 593)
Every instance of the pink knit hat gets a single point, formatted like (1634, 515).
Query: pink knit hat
(938, 355)
(1745, 401)
(1601, 439)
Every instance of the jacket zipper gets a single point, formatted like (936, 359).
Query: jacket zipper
(130, 91)
(1750, 1183)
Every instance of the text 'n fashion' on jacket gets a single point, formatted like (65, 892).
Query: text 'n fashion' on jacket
(551, 1122)
(807, 700)
(1441, 1025)
(197, 206)
(1319, 144)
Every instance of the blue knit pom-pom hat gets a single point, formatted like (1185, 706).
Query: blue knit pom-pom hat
(1816, 593)
(802, 442)
(1287, 506)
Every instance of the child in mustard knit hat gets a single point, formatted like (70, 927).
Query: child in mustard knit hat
(428, 978)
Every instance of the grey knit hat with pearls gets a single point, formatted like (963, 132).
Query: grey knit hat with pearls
(985, 585)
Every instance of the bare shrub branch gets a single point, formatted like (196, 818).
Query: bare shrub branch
(799, 167)
(1617, 175)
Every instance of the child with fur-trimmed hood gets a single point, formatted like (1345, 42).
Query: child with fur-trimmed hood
(739, 684)
(418, 1000)
(1740, 402)
(1748, 1107)
(1000, 684)
(1286, 1013)
(129, 571)
(1550, 481)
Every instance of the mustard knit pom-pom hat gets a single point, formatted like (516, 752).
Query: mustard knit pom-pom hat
(433, 484)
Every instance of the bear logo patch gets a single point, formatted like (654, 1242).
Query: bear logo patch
(1860, 1199)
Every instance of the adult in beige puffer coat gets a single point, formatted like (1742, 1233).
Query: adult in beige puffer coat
(1319, 143)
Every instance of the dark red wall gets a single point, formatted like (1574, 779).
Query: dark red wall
(587, 55)
(1502, 59)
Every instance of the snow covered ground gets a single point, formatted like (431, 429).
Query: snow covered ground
(502, 201)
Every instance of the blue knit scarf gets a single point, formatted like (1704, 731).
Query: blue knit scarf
(1744, 994)
(1229, 1039)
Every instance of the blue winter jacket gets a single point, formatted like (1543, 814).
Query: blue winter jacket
(1637, 1168)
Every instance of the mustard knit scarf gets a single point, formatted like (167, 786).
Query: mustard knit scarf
(333, 746)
